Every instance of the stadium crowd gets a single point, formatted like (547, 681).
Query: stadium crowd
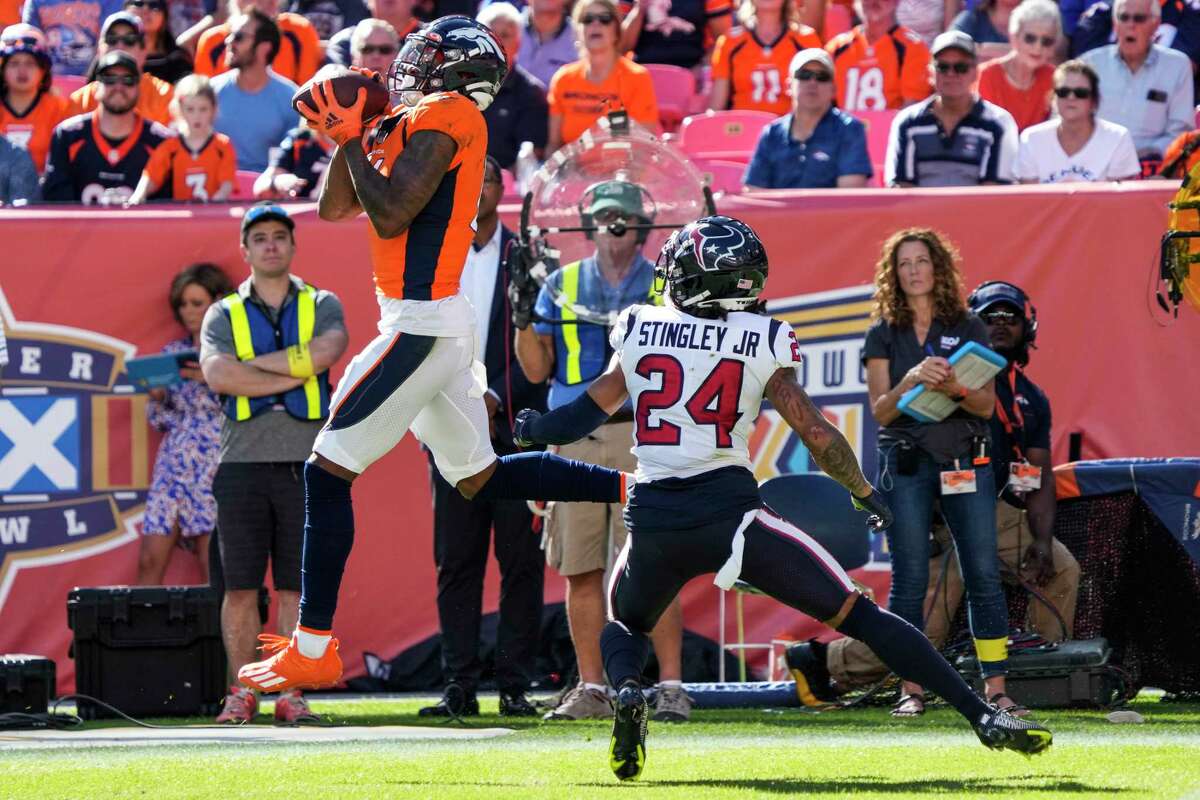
(120, 103)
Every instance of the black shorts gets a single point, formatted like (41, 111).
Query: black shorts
(685, 527)
(260, 513)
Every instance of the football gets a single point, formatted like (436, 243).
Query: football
(346, 83)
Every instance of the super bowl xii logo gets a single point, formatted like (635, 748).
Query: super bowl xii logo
(830, 327)
(73, 446)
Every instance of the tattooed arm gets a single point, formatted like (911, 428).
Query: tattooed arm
(392, 201)
(829, 448)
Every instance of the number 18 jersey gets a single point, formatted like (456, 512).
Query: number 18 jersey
(696, 385)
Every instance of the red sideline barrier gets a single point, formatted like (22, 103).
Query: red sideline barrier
(1084, 254)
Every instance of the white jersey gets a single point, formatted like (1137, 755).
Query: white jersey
(696, 385)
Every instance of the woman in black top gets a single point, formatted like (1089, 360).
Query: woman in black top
(920, 320)
(165, 60)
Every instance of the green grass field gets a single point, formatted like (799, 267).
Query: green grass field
(725, 754)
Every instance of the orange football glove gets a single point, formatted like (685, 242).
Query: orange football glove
(338, 122)
(370, 73)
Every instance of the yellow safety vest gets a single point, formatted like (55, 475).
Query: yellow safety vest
(570, 328)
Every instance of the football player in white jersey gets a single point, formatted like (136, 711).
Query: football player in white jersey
(697, 370)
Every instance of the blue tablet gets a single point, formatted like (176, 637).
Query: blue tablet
(974, 365)
(159, 370)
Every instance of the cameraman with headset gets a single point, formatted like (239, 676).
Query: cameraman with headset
(1020, 431)
(584, 539)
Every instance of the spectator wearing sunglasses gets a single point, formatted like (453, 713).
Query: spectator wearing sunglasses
(954, 138)
(123, 32)
(164, 59)
(98, 157)
(520, 112)
(29, 110)
(297, 56)
(397, 13)
(72, 29)
(602, 80)
(374, 45)
(1179, 28)
(1147, 88)
(817, 146)
(1020, 82)
(988, 23)
(1076, 145)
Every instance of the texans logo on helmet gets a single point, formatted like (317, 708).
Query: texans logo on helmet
(74, 447)
(713, 244)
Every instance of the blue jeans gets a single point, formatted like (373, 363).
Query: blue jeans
(972, 522)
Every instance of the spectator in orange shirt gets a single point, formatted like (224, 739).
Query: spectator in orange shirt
(10, 12)
(200, 164)
(602, 80)
(879, 64)
(30, 110)
(300, 51)
(750, 63)
(123, 31)
(1021, 81)
(676, 32)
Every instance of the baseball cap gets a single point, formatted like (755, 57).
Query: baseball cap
(124, 18)
(264, 212)
(991, 294)
(621, 195)
(811, 54)
(953, 39)
(117, 58)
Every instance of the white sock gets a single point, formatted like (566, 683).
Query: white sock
(670, 684)
(311, 645)
(596, 687)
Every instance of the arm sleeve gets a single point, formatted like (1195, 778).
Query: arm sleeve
(1181, 113)
(160, 162)
(878, 343)
(216, 334)
(57, 186)
(204, 52)
(620, 331)
(568, 423)
(1125, 160)
(758, 172)
(853, 158)
(914, 80)
(784, 347)
(329, 314)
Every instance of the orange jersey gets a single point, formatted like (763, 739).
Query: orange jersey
(580, 102)
(299, 56)
(758, 72)
(193, 175)
(154, 99)
(32, 130)
(887, 73)
(10, 12)
(426, 260)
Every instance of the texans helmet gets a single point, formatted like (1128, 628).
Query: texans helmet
(453, 54)
(712, 266)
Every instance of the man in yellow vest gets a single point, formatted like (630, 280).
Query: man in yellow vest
(584, 539)
(267, 349)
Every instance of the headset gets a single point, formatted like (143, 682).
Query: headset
(588, 223)
(1027, 308)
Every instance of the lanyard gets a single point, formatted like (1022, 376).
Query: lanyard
(1002, 413)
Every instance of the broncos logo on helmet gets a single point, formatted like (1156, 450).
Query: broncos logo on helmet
(453, 54)
(712, 266)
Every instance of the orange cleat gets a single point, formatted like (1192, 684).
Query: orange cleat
(287, 669)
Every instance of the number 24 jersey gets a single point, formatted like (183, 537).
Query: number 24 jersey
(696, 385)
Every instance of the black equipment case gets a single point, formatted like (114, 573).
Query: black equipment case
(26, 684)
(148, 650)
(1064, 675)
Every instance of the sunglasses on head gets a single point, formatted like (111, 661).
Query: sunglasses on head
(1000, 317)
(603, 19)
(1032, 39)
(27, 41)
(958, 67)
(115, 80)
(818, 75)
(381, 49)
(126, 39)
(1081, 92)
(1136, 19)
(153, 5)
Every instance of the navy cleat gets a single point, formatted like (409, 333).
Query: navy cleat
(627, 751)
(1000, 730)
(806, 662)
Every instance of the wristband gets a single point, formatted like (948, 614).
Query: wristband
(961, 395)
(300, 363)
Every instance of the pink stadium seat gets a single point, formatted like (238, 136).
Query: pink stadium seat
(837, 20)
(724, 176)
(674, 89)
(723, 135)
(65, 84)
(243, 184)
(878, 123)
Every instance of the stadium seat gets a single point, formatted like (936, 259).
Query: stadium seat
(243, 187)
(837, 20)
(879, 124)
(722, 135)
(674, 89)
(723, 176)
(65, 84)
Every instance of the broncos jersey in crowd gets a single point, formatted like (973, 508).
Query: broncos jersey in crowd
(86, 167)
